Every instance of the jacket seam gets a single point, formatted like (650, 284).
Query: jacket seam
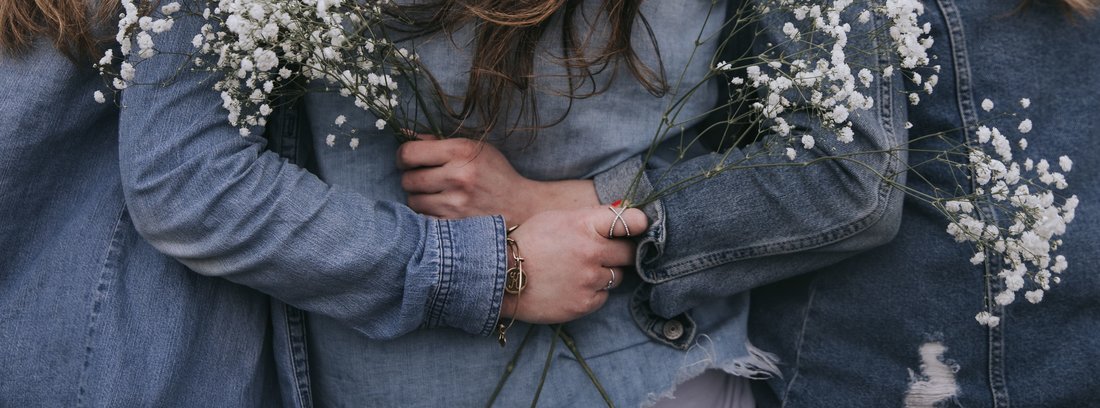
(800, 342)
(99, 296)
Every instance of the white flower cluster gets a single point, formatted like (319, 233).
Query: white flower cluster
(1033, 217)
(821, 77)
(260, 45)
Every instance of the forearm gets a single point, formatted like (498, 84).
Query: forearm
(200, 192)
(766, 217)
(750, 226)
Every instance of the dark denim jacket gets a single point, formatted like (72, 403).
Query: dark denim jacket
(864, 332)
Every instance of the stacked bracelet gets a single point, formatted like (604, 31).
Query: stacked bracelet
(514, 282)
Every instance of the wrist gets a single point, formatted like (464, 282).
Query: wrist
(565, 195)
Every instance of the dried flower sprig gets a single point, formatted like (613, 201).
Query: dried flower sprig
(263, 47)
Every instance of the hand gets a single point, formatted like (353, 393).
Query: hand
(567, 255)
(457, 178)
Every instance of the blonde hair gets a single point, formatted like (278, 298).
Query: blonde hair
(66, 23)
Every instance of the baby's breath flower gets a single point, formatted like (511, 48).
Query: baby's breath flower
(986, 319)
(987, 105)
(1065, 163)
(99, 98)
(1025, 126)
(1005, 298)
(1025, 102)
(1034, 296)
(170, 8)
(807, 142)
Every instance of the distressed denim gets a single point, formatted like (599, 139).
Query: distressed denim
(868, 331)
(677, 319)
(90, 313)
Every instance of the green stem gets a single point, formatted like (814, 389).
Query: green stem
(572, 345)
(546, 366)
(511, 366)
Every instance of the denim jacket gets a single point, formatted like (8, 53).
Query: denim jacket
(896, 324)
(90, 313)
(674, 322)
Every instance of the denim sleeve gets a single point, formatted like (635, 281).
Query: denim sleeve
(222, 205)
(745, 228)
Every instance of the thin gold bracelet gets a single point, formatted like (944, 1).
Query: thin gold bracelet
(515, 280)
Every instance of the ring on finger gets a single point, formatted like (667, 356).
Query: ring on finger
(615, 221)
(610, 282)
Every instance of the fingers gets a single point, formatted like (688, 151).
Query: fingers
(421, 154)
(429, 180)
(446, 206)
(615, 252)
(433, 153)
(614, 279)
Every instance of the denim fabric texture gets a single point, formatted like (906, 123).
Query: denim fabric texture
(747, 227)
(851, 335)
(656, 331)
(217, 201)
(90, 313)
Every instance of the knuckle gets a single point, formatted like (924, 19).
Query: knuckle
(592, 251)
(464, 177)
(459, 201)
(404, 153)
(461, 147)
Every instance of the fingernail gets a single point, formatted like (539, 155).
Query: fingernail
(617, 203)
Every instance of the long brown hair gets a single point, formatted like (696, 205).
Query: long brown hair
(66, 23)
(505, 39)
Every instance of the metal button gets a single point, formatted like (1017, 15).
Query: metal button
(673, 329)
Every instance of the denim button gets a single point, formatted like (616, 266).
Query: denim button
(673, 329)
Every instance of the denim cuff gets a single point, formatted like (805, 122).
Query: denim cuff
(472, 268)
(612, 185)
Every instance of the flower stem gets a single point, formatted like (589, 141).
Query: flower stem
(511, 366)
(572, 346)
(546, 366)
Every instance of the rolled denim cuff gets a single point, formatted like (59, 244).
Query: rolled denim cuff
(612, 185)
(471, 254)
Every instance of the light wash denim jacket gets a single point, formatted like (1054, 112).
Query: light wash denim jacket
(680, 317)
(137, 328)
(90, 313)
(878, 329)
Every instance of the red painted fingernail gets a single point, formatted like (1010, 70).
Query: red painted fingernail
(617, 203)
